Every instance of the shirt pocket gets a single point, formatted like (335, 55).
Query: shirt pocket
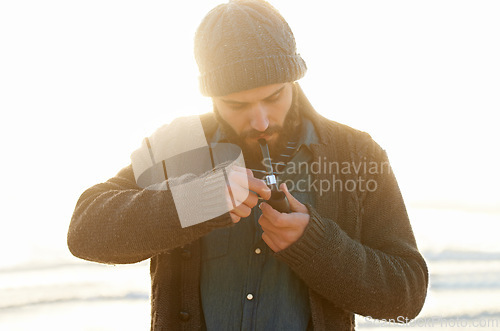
(215, 244)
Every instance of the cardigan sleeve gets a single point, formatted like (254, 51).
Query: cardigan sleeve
(119, 222)
(380, 273)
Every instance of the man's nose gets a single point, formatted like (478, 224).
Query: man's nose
(259, 120)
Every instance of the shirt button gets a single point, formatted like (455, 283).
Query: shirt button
(249, 296)
(258, 251)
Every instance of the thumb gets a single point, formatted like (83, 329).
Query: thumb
(295, 204)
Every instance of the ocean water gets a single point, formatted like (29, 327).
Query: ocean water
(462, 251)
(51, 288)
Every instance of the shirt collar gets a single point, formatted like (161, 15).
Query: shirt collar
(308, 135)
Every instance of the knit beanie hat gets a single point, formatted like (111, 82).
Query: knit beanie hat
(244, 44)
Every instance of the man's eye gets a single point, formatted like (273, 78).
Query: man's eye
(237, 107)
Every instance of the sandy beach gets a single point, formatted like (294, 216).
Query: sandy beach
(55, 289)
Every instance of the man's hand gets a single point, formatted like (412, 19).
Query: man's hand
(281, 229)
(243, 189)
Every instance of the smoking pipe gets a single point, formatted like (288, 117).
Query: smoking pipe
(278, 198)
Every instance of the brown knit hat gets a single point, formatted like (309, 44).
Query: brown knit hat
(244, 44)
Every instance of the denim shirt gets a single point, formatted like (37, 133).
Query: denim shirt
(243, 286)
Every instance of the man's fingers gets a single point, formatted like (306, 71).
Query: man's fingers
(265, 223)
(235, 217)
(295, 205)
(238, 168)
(259, 187)
(271, 213)
(242, 195)
(242, 211)
(248, 181)
(269, 241)
(275, 233)
(238, 178)
(238, 188)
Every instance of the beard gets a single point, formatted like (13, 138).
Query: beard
(252, 153)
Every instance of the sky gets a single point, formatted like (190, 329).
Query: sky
(82, 83)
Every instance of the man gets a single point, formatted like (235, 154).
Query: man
(346, 247)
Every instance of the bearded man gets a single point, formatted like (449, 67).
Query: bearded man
(343, 249)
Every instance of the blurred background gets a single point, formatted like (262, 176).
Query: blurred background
(83, 82)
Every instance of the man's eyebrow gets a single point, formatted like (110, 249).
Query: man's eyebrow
(234, 102)
(275, 92)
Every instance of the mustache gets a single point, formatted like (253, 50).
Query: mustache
(253, 134)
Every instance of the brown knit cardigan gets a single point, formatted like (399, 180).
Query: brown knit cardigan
(357, 255)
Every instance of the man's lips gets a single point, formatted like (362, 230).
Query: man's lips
(262, 136)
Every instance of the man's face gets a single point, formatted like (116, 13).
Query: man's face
(256, 113)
